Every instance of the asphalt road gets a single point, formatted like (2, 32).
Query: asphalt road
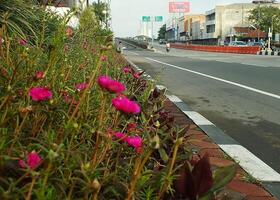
(238, 93)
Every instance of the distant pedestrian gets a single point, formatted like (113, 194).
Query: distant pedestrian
(120, 47)
(167, 47)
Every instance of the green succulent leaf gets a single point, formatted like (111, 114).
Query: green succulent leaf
(163, 155)
(222, 176)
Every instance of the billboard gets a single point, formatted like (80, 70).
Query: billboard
(179, 7)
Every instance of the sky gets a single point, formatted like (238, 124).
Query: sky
(127, 14)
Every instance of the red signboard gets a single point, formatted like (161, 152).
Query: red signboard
(179, 7)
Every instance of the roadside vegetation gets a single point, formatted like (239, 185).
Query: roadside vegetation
(76, 122)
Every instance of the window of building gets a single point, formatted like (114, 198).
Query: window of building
(211, 17)
(210, 28)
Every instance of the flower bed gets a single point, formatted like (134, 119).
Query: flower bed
(77, 123)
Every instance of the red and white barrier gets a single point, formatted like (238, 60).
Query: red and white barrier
(220, 49)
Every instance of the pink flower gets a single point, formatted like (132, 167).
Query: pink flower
(111, 85)
(126, 70)
(40, 94)
(136, 75)
(123, 104)
(115, 87)
(120, 135)
(135, 142)
(39, 75)
(32, 161)
(22, 42)
(104, 58)
(81, 86)
(69, 32)
(103, 81)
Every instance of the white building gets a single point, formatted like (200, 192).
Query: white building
(221, 21)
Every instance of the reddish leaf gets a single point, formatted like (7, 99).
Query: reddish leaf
(185, 185)
(202, 175)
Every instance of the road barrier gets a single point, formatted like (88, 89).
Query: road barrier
(221, 49)
(141, 44)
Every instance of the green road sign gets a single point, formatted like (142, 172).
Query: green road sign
(146, 18)
(158, 18)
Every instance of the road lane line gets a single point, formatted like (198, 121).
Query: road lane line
(134, 53)
(219, 79)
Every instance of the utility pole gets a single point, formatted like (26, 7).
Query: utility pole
(152, 21)
(269, 39)
(259, 21)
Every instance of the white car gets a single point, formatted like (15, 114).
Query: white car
(237, 44)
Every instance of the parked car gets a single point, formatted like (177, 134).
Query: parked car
(162, 41)
(237, 44)
(254, 44)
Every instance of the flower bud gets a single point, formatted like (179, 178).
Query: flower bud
(75, 125)
(85, 166)
(155, 142)
(95, 185)
(52, 155)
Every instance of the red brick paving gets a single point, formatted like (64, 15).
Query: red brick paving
(259, 198)
(212, 153)
(238, 188)
(248, 188)
(220, 162)
(203, 145)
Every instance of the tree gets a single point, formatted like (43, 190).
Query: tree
(101, 10)
(161, 32)
(265, 17)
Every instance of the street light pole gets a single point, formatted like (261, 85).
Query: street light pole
(259, 15)
(152, 21)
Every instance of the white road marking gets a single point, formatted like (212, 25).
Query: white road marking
(161, 87)
(134, 53)
(197, 118)
(250, 163)
(219, 79)
(174, 98)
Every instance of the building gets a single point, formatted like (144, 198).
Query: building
(195, 26)
(191, 26)
(185, 28)
(222, 21)
(172, 26)
(68, 3)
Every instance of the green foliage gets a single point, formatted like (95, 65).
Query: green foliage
(22, 19)
(265, 17)
(161, 32)
(88, 23)
(99, 9)
(15, 16)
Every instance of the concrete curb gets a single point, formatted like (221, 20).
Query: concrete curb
(269, 178)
